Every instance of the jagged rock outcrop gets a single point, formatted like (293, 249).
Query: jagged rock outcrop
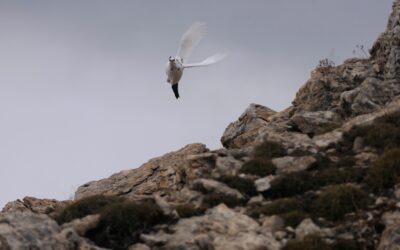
(41, 206)
(244, 131)
(163, 175)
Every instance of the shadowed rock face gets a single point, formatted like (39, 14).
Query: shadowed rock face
(327, 140)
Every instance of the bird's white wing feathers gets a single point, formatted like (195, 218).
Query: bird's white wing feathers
(191, 38)
(210, 60)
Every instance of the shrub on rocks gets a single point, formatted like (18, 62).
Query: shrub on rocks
(336, 201)
(245, 186)
(291, 184)
(385, 172)
(86, 206)
(291, 210)
(212, 200)
(383, 134)
(268, 150)
(259, 167)
(121, 221)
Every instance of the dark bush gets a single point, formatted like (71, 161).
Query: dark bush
(292, 210)
(347, 245)
(308, 243)
(245, 186)
(259, 167)
(212, 200)
(385, 171)
(313, 242)
(268, 150)
(293, 218)
(333, 175)
(86, 206)
(122, 223)
(383, 134)
(291, 184)
(336, 201)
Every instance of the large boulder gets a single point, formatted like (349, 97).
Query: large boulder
(27, 230)
(220, 228)
(314, 123)
(243, 131)
(165, 174)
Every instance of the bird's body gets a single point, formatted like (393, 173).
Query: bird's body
(176, 65)
(174, 70)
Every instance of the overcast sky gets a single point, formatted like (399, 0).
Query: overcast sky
(83, 90)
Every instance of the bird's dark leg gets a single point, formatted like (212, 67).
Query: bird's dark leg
(175, 89)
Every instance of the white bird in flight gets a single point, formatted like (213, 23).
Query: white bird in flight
(176, 65)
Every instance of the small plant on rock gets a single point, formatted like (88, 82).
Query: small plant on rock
(336, 201)
(122, 223)
(86, 206)
(385, 172)
(259, 167)
(268, 150)
(212, 200)
(291, 184)
(245, 186)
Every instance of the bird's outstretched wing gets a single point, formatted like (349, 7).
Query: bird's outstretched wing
(210, 60)
(191, 38)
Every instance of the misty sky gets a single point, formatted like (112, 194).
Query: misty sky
(83, 90)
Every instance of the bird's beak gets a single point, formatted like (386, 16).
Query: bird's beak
(175, 89)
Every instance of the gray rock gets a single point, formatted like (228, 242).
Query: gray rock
(273, 224)
(27, 230)
(289, 164)
(263, 184)
(213, 186)
(220, 228)
(390, 239)
(307, 227)
(41, 206)
(81, 226)
(318, 122)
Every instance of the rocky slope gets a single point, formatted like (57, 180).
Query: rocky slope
(322, 174)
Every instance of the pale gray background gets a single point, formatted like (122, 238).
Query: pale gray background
(82, 83)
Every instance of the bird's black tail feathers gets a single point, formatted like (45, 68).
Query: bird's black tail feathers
(175, 89)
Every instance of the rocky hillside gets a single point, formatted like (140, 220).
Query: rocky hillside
(322, 174)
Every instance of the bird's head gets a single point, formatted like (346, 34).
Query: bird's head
(171, 59)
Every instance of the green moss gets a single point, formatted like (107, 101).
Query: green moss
(385, 172)
(86, 206)
(336, 201)
(212, 200)
(188, 210)
(291, 184)
(268, 150)
(259, 167)
(308, 243)
(122, 223)
(245, 186)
